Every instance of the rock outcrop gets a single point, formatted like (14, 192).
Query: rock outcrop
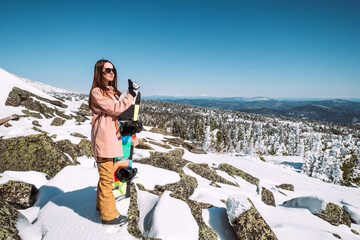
(267, 197)
(85, 110)
(205, 171)
(330, 212)
(18, 97)
(8, 217)
(143, 145)
(84, 148)
(286, 186)
(246, 220)
(32, 153)
(335, 215)
(171, 161)
(232, 171)
(58, 122)
(191, 147)
(20, 195)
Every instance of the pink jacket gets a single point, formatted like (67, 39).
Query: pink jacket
(105, 134)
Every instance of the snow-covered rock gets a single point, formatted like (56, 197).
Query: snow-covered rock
(312, 203)
(170, 218)
(236, 205)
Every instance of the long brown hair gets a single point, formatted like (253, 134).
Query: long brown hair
(99, 81)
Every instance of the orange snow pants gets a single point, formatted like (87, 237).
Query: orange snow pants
(105, 200)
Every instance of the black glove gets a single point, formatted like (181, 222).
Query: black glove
(130, 128)
(131, 88)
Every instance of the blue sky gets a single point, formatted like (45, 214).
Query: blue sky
(189, 48)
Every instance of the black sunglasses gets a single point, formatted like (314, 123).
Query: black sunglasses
(108, 70)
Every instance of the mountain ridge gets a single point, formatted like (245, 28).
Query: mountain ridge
(319, 110)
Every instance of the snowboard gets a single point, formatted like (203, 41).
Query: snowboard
(129, 126)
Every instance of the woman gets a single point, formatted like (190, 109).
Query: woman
(105, 106)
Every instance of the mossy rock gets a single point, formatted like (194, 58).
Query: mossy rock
(337, 235)
(80, 118)
(232, 171)
(204, 171)
(68, 147)
(143, 145)
(335, 215)
(36, 123)
(161, 131)
(134, 216)
(205, 232)
(75, 150)
(58, 122)
(252, 226)
(176, 142)
(79, 135)
(39, 130)
(191, 147)
(213, 184)
(267, 197)
(160, 144)
(354, 232)
(62, 114)
(184, 188)
(286, 186)
(32, 114)
(32, 153)
(171, 161)
(84, 148)
(18, 97)
(8, 217)
(20, 195)
(85, 110)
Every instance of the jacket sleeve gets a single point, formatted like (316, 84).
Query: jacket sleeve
(109, 105)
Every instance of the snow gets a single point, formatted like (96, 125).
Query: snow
(8, 81)
(313, 204)
(65, 207)
(353, 211)
(32, 177)
(155, 176)
(170, 218)
(217, 219)
(236, 205)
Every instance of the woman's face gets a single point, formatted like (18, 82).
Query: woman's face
(108, 76)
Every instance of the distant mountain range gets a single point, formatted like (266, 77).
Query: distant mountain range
(334, 110)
